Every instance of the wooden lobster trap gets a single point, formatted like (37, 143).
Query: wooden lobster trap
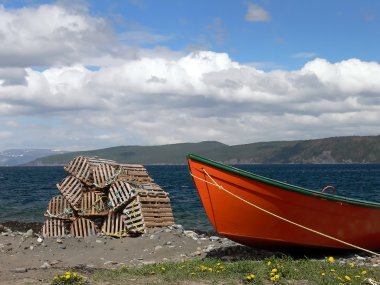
(55, 227)
(156, 210)
(134, 220)
(119, 199)
(133, 173)
(72, 189)
(114, 225)
(119, 194)
(93, 203)
(82, 227)
(59, 208)
(82, 167)
(104, 174)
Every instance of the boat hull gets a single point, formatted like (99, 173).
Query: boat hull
(257, 211)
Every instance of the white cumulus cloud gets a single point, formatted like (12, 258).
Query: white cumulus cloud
(256, 13)
(157, 96)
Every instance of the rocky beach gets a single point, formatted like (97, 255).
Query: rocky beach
(28, 258)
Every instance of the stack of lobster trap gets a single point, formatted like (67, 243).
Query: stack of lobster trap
(103, 197)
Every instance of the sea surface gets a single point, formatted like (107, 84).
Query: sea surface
(26, 191)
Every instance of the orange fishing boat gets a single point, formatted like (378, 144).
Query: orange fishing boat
(258, 211)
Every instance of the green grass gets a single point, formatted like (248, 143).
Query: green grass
(269, 271)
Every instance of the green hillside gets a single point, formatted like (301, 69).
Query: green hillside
(162, 154)
(352, 149)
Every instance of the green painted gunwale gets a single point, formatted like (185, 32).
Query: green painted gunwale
(283, 185)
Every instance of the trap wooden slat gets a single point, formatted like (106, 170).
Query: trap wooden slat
(133, 173)
(82, 227)
(152, 193)
(82, 167)
(150, 199)
(54, 228)
(104, 174)
(156, 210)
(92, 204)
(149, 189)
(119, 194)
(72, 189)
(114, 225)
(59, 208)
(134, 220)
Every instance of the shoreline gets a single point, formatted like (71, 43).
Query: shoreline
(26, 255)
(28, 258)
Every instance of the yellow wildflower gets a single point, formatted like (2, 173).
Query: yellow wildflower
(163, 268)
(323, 274)
(364, 272)
(274, 270)
(269, 263)
(348, 278)
(331, 259)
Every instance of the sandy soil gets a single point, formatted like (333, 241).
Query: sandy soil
(26, 258)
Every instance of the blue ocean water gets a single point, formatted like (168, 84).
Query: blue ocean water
(26, 191)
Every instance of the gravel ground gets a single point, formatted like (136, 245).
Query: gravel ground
(28, 258)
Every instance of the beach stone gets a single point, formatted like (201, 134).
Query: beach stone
(99, 241)
(153, 237)
(177, 227)
(191, 234)
(54, 262)
(110, 262)
(62, 246)
(40, 240)
(19, 270)
(45, 265)
(5, 234)
(59, 240)
(214, 238)
(29, 233)
(158, 247)
(2, 228)
(209, 248)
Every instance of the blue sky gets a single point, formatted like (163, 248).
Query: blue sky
(105, 73)
(296, 31)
